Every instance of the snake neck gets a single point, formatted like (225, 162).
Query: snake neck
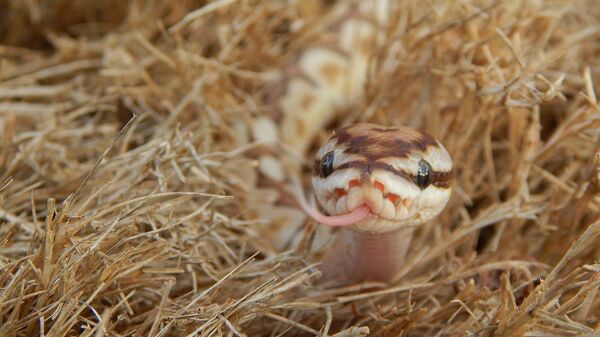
(369, 257)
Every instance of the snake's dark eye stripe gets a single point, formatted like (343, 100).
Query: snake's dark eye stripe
(326, 165)
(423, 178)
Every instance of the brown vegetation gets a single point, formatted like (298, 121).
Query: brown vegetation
(125, 188)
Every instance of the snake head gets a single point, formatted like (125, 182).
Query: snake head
(404, 176)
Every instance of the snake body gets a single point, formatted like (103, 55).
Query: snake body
(377, 182)
(328, 78)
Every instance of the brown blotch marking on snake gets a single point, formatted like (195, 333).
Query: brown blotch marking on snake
(306, 101)
(331, 72)
(374, 142)
(299, 126)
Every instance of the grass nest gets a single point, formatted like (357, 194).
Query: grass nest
(129, 205)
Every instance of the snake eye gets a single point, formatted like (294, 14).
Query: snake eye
(423, 178)
(326, 165)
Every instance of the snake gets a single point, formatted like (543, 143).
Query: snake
(375, 183)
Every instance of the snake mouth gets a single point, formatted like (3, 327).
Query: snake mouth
(374, 195)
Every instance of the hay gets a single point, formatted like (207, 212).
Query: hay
(126, 172)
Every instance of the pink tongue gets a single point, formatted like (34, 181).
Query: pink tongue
(334, 221)
(339, 220)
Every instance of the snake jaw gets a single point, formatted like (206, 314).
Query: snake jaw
(393, 201)
(385, 205)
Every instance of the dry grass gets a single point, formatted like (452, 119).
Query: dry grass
(128, 204)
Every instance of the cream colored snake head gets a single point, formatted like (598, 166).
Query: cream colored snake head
(401, 175)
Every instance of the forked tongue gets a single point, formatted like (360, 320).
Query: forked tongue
(334, 221)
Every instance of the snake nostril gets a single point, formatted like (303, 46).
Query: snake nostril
(379, 186)
(339, 192)
(353, 182)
